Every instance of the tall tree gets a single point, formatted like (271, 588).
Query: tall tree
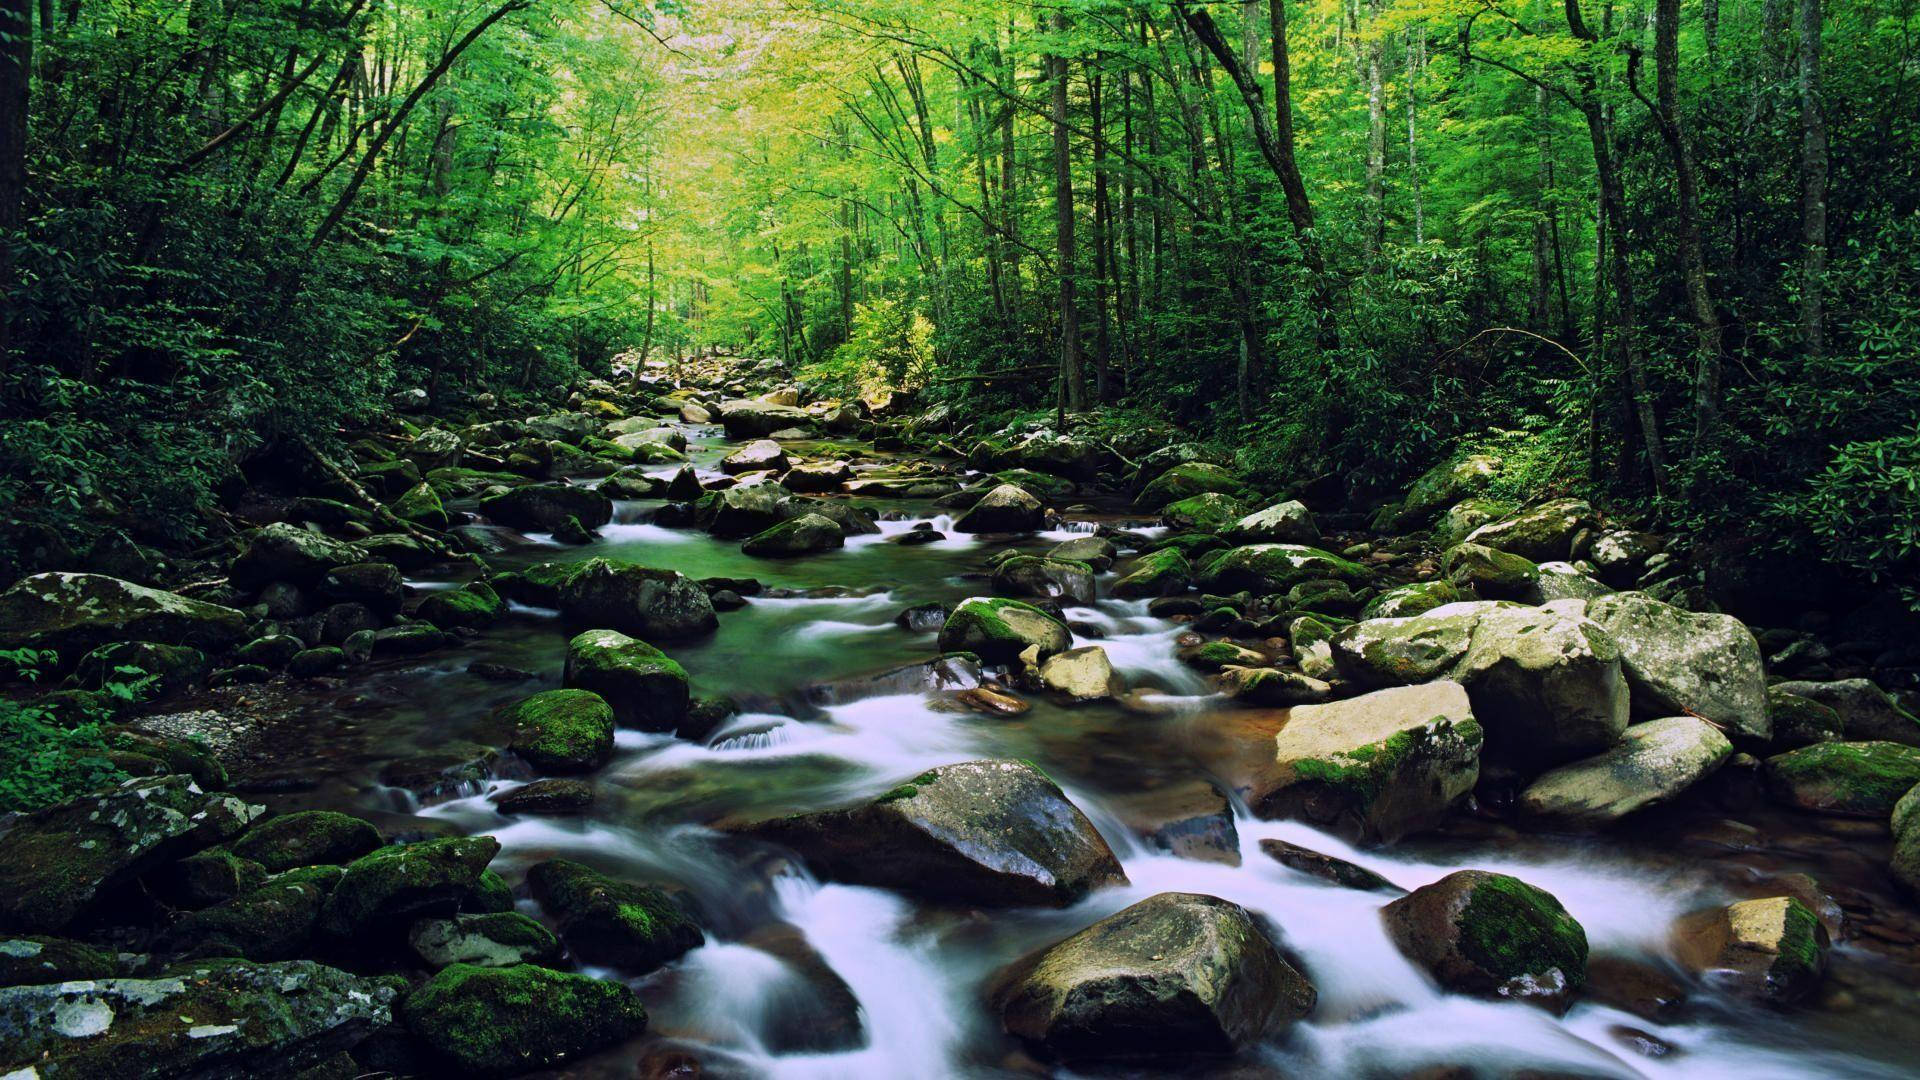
(16, 81)
(1072, 394)
(1813, 183)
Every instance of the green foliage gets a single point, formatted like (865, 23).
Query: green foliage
(891, 348)
(44, 761)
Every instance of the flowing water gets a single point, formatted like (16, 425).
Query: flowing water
(754, 1000)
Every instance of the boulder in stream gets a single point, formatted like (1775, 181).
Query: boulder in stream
(1176, 974)
(644, 686)
(76, 613)
(562, 731)
(381, 894)
(1865, 712)
(1542, 533)
(998, 630)
(307, 838)
(487, 939)
(1654, 763)
(1677, 661)
(1282, 523)
(546, 507)
(605, 920)
(285, 552)
(660, 605)
(1044, 578)
(1008, 508)
(752, 418)
(807, 534)
(489, 1021)
(1849, 779)
(761, 455)
(995, 833)
(1158, 573)
(1375, 767)
(1772, 950)
(1083, 674)
(1267, 569)
(1494, 936)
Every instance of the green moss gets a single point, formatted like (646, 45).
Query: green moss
(496, 1021)
(563, 730)
(909, 789)
(472, 606)
(1862, 778)
(306, 839)
(1511, 930)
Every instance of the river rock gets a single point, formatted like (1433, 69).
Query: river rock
(1044, 578)
(1441, 487)
(1800, 721)
(1677, 661)
(807, 534)
(32, 960)
(1772, 950)
(1075, 457)
(1621, 554)
(1542, 533)
(219, 1018)
(1492, 935)
(376, 585)
(761, 455)
(1655, 762)
(1266, 569)
(492, 939)
(546, 507)
(546, 797)
(1083, 674)
(1189, 818)
(1208, 513)
(284, 552)
(1325, 867)
(76, 613)
(1158, 573)
(659, 605)
(998, 630)
(1272, 688)
(1281, 523)
(484, 1021)
(1564, 581)
(817, 476)
(58, 864)
(381, 894)
(645, 688)
(1850, 779)
(473, 606)
(1546, 682)
(750, 418)
(1008, 508)
(307, 838)
(277, 920)
(1866, 712)
(1905, 823)
(605, 920)
(1414, 598)
(1184, 481)
(1175, 974)
(421, 505)
(1097, 552)
(992, 833)
(1491, 573)
(1377, 766)
(742, 510)
(562, 731)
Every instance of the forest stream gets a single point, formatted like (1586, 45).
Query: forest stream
(804, 977)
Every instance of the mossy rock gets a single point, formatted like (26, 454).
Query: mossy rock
(312, 663)
(495, 939)
(1490, 573)
(545, 507)
(1044, 577)
(1157, 573)
(1492, 935)
(1771, 950)
(644, 687)
(164, 669)
(607, 921)
(1800, 721)
(1416, 598)
(1211, 512)
(485, 1021)
(207, 878)
(74, 613)
(307, 838)
(32, 960)
(1849, 779)
(380, 894)
(473, 606)
(421, 505)
(1266, 569)
(807, 534)
(277, 920)
(562, 731)
(1185, 481)
(999, 630)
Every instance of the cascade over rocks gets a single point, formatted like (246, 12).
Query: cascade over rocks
(605, 920)
(1176, 973)
(994, 833)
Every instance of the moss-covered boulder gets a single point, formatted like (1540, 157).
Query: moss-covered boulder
(753, 418)
(760, 455)
(73, 614)
(1273, 688)
(546, 797)
(1287, 522)
(1157, 573)
(381, 894)
(60, 863)
(1266, 569)
(1866, 712)
(480, 1021)
(1045, 578)
(1565, 581)
(1850, 779)
(1905, 823)
(421, 505)
(1097, 552)
(998, 630)
(1655, 762)
(307, 838)
(1542, 533)
(1375, 767)
(376, 585)
(473, 606)
(980, 832)
(493, 939)
(1800, 721)
(211, 1018)
(808, 534)
(1184, 481)
(1440, 487)
(1492, 935)
(1772, 950)
(1008, 508)
(605, 920)
(206, 878)
(546, 507)
(740, 511)
(645, 688)
(1491, 573)
(562, 731)
(276, 920)
(1211, 512)
(1175, 974)
(1415, 598)
(171, 668)
(1682, 662)
(284, 552)
(656, 605)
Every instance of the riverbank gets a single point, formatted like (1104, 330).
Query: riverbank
(497, 798)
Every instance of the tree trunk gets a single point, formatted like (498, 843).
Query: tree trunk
(1072, 395)
(1376, 140)
(1813, 184)
(16, 80)
(1102, 240)
(1415, 61)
